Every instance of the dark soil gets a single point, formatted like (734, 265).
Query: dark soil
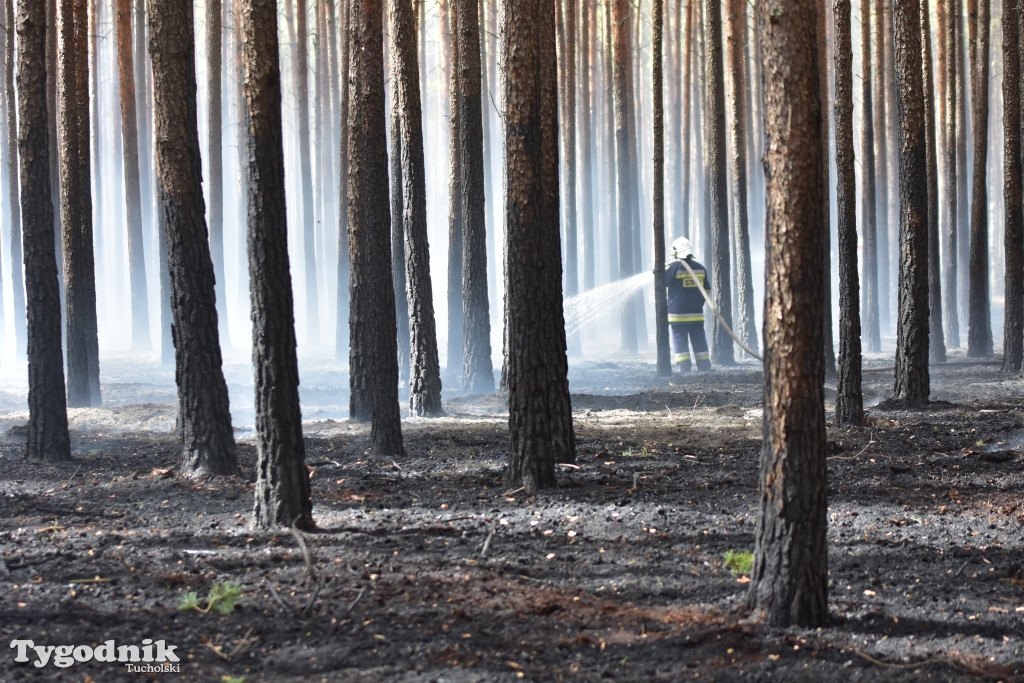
(429, 569)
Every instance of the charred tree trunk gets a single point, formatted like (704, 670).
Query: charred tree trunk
(425, 375)
(83, 367)
(11, 186)
(790, 576)
(540, 413)
(567, 123)
(936, 340)
(735, 33)
(911, 382)
(373, 360)
(869, 201)
(52, 116)
(47, 437)
(398, 255)
(477, 372)
(342, 337)
(979, 332)
(849, 393)
(132, 178)
(717, 181)
(204, 417)
(664, 360)
(282, 481)
(1013, 238)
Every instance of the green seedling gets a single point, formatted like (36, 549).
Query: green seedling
(642, 453)
(222, 599)
(739, 563)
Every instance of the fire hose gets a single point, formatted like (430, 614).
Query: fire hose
(718, 315)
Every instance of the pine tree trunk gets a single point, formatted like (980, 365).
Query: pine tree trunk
(979, 331)
(849, 393)
(949, 68)
(398, 255)
(214, 80)
(567, 123)
(343, 331)
(373, 359)
(588, 75)
(790, 575)
(624, 189)
(51, 114)
(132, 182)
(963, 201)
(911, 375)
(309, 265)
(425, 375)
(1013, 217)
(715, 157)
(881, 134)
(208, 443)
(11, 186)
(47, 437)
(936, 340)
(735, 32)
(686, 86)
(477, 373)
(869, 199)
(282, 481)
(828, 349)
(83, 383)
(540, 414)
(660, 300)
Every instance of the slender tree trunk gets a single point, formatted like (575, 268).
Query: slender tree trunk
(735, 32)
(309, 265)
(948, 42)
(456, 323)
(11, 186)
(425, 379)
(963, 201)
(611, 228)
(540, 413)
(477, 373)
(373, 360)
(47, 437)
(936, 340)
(1013, 216)
(282, 481)
(911, 375)
(208, 443)
(828, 349)
(343, 332)
(587, 151)
(398, 255)
(568, 126)
(979, 334)
(660, 300)
(881, 134)
(790, 576)
(52, 116)
(132, 179)
(715, 154)
(214, 80)
(83, 378)
(625, 189)
(869, 203)
(849, 393)
(686, 86)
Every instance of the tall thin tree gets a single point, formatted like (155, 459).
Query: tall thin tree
(869, 206)
(936, 339)
(47, 437)
(309, 264)
(373, 358)
(911, 374)
(342, 337)
(625, 189)
(790, 575)
(660, 298)
(979, 330)
(215, 155)
(948, 11)
(11, 186)
(1013, 209)
(282, 481)
(204, 417)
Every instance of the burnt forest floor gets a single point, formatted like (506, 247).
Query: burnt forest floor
(427, 568)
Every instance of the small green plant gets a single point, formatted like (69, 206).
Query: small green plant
(642, 453)
(222, 599)
(739, 563)
(232, 679)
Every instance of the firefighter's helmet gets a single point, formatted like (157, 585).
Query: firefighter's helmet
(682, 248)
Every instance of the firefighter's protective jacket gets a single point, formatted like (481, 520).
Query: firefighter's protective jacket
(685, 302)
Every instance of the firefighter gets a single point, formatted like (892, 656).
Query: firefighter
(686, 306)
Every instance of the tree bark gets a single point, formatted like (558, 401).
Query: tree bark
(717, 181)
(869, 204)
(398, 255)
(790, 576)
(282, 481)
(936, 339)
(373, 359)
(11, 186)
(881, 133)
(132, 179)
(477, 373)
(828, 348)
(849, 393)
(588, 75)
(214, 80)
(83, 369)
(540, 413)
(664, 360)
(309, 265)
(624, 189)
(208, 443)
(979, 330)
(686, 86)
(948, 11)
(456, 323)
(735, 32)
(911, 375)
(1013, 216)
(425, 371)
(47, 437)
(342, 336)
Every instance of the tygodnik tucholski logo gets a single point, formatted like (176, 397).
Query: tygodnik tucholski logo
(149, 657)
